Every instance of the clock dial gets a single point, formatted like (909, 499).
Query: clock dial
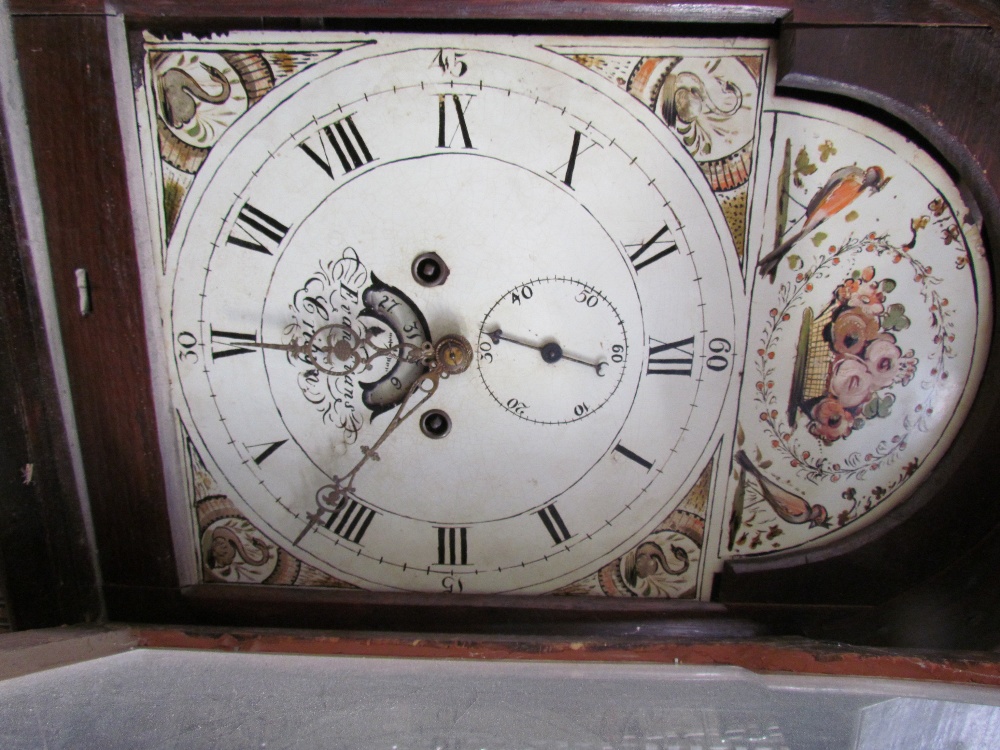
(552, 350)
(381, 203)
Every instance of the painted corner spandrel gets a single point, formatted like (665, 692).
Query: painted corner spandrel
(666, 563)
(869, 325)
(231, 548)
(195, 89)
(710, 94)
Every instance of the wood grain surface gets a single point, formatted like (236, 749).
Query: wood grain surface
(805, 12)
(72, 115)
(46, 577)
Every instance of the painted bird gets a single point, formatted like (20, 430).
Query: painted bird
(840, 191)
(789, 507)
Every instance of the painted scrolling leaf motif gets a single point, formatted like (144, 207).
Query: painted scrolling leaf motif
(666, 563)
(231, 549)
(197, 91)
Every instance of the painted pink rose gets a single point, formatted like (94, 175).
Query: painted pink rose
(883, 360)
(830, 420)
(850, 381)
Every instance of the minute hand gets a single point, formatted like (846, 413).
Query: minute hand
(551, 352)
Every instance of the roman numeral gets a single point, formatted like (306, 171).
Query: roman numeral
(351, 522)
(554, 523)
(345, 139)
(227, 343)
(443, 120)
(655, 243)
(581, 145)
(257, 231)
(672, 358)
(571, 164)
(453, 545)
(269, 449)
(633, 456)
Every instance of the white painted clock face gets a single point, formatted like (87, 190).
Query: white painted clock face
(583, 266)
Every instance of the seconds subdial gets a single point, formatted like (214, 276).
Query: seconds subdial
(552, 350)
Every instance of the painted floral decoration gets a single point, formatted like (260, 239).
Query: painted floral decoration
(864, 359)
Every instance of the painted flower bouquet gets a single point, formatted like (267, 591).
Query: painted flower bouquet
(848, 358)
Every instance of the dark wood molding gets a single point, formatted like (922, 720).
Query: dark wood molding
(46, 575)
(25, 653)
(356, 610)
(797, 12)
(472, 614)
(71, 110)
(228, 605)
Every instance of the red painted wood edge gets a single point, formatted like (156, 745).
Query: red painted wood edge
(797, 656)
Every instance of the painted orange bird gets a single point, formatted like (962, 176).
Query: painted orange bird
(840, 191)
(788, 506)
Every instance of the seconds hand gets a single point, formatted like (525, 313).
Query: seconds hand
(550, 352)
